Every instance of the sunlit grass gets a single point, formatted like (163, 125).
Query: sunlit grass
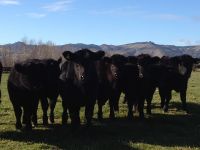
(173, 130)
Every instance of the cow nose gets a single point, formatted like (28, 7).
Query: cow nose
(82, 77)
(116, 75)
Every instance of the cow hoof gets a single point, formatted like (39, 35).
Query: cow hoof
(141, 116)
(45, 121)
(149, 112)
(112, 117)
(18, 126)
(130, 117)
(165, 108)
(75, 126)
(161, 105)
(64, 122)
(35, 124)
(100, 118)
(88, 125)
(28, 128)
(186, 110)
(34, 120)
(52, 119)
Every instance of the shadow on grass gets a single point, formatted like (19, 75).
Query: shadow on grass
(168, 129)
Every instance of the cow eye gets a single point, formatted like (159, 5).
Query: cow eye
(77, 65)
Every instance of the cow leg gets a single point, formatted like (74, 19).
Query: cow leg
(45, 105)
(112, 113)
(27, 115)
(100, 113)
(34, 116)
(18, 114)
(148, 105)
(0, 94)
(183, 100)
(130, 109)
(114, 103)
(141, 108)
(65, 113)
(168, 98)
(89, 110)
(52, 107)
(75, 118)
(162, 98)
(149, 100)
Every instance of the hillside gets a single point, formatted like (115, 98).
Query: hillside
(126, 49)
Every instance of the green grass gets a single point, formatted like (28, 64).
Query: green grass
(172, 130)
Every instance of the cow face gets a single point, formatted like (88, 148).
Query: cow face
(143, 61)
(80, 66)
(117, 61)
(52, 70)
(54, 67)
(186, 62)
(110, 69)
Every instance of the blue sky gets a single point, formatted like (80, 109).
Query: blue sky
(175, 22)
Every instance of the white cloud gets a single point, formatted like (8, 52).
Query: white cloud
(36, 15)
(9, 2)
(135, 11)
(196, 18)
(187, 42)
(58, 6)
(172, 17)
(124, 11)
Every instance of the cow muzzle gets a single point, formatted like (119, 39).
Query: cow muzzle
(182, 69)
(140, 71)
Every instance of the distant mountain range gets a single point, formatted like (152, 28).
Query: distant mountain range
(126, 49)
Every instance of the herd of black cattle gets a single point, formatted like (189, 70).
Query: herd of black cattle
(86, 78)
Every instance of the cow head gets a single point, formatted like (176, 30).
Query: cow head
(80, 66)
(186, 64)
(29, 67)
(143, 61)
(52, 70)
(33, 72)
(116, 63)
(114, 67)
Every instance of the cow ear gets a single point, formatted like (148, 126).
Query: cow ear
(68, 55)
(100, 54)
(59, 60)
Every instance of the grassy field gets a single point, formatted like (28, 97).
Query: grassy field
(172, 130)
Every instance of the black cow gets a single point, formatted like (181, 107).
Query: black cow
(1, 71)
(27, 83)
(50, 91)
(109, 81)
(131, 86)
(175, 77)
(149, 73)
(79, 84)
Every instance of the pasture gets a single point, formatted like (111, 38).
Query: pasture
(172, 130)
